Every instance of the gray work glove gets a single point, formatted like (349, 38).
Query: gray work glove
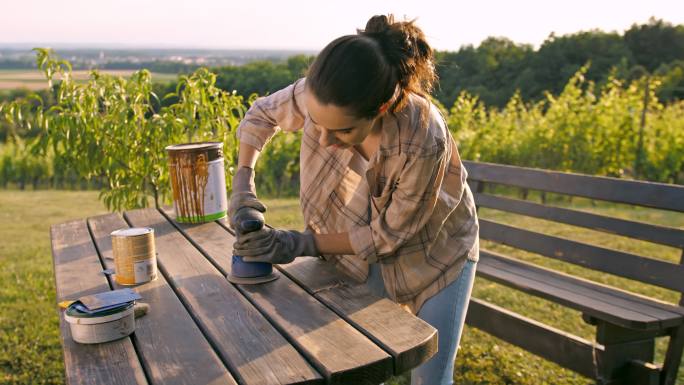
(244, 195)
(275, 246)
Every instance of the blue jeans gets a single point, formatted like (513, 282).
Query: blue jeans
(446, 312)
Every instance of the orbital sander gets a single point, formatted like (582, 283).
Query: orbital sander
(250, 273)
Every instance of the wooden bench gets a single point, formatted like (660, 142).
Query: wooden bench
(626, 323)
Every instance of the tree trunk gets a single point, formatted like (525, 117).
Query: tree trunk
(640, 144)
(155, 192)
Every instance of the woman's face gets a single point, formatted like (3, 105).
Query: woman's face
(338, 127)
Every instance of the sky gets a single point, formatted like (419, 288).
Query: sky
(308, 25)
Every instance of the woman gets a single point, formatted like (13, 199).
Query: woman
(383, 190)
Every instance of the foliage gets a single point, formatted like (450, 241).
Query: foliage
(277, 170)
(95, 134)
(655, 42)
(497, 68)
(490, 71)
(114, 128)
(20, 168)
(672, 76)
(261, 77)
(584, 129)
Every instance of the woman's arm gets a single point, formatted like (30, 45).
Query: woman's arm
(243, 193)
(283, 109)
(247, 155)
(333, 243)
(263, 119)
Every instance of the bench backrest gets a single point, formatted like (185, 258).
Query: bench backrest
(647, 194)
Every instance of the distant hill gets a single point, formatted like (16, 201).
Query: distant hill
(157, 60)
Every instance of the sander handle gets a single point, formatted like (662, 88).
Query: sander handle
(254, 223)
(250, 272)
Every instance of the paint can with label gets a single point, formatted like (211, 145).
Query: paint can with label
(135, 257)
(198, 181)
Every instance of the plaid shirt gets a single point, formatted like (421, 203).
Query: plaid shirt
(411, 210)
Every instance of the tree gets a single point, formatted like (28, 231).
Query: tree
(559, 58)
(114, 129)
(672, 75)
(260, 77)
(655, 43)
(491, 71)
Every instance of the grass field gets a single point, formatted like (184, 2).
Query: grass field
(30, 352)
(35, 80)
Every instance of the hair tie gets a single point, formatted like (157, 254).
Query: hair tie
(383, 107)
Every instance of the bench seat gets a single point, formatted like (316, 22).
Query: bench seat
(595, 300)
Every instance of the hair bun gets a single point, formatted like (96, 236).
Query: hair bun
(405, 49)
(378, 24)
(397, 39)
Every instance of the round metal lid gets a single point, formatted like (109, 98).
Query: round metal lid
(195, 146)
(72, 315)
(132, 232)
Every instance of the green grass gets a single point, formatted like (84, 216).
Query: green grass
(30, 351)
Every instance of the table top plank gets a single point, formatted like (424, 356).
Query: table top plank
(254, 350)
(187, 356)
(336, 348)
(410, 340)
(78, 272)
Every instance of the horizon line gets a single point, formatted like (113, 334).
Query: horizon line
(61, 45)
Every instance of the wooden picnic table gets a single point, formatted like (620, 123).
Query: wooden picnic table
(310, 326)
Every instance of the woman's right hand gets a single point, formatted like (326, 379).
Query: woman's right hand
(244, 195)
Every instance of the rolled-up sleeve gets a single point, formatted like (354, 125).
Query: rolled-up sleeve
(283, 109)
(411, 204)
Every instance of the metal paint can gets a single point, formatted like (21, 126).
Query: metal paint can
(135, 257)
(198, 181)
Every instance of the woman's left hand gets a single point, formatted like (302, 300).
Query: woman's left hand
(274, 245)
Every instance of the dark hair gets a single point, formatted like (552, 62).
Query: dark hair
(362, 71)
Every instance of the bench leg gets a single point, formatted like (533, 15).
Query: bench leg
(673, 356)
(624, 350)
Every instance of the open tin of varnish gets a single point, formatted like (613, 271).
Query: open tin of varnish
(198, 181)
(101, 327)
